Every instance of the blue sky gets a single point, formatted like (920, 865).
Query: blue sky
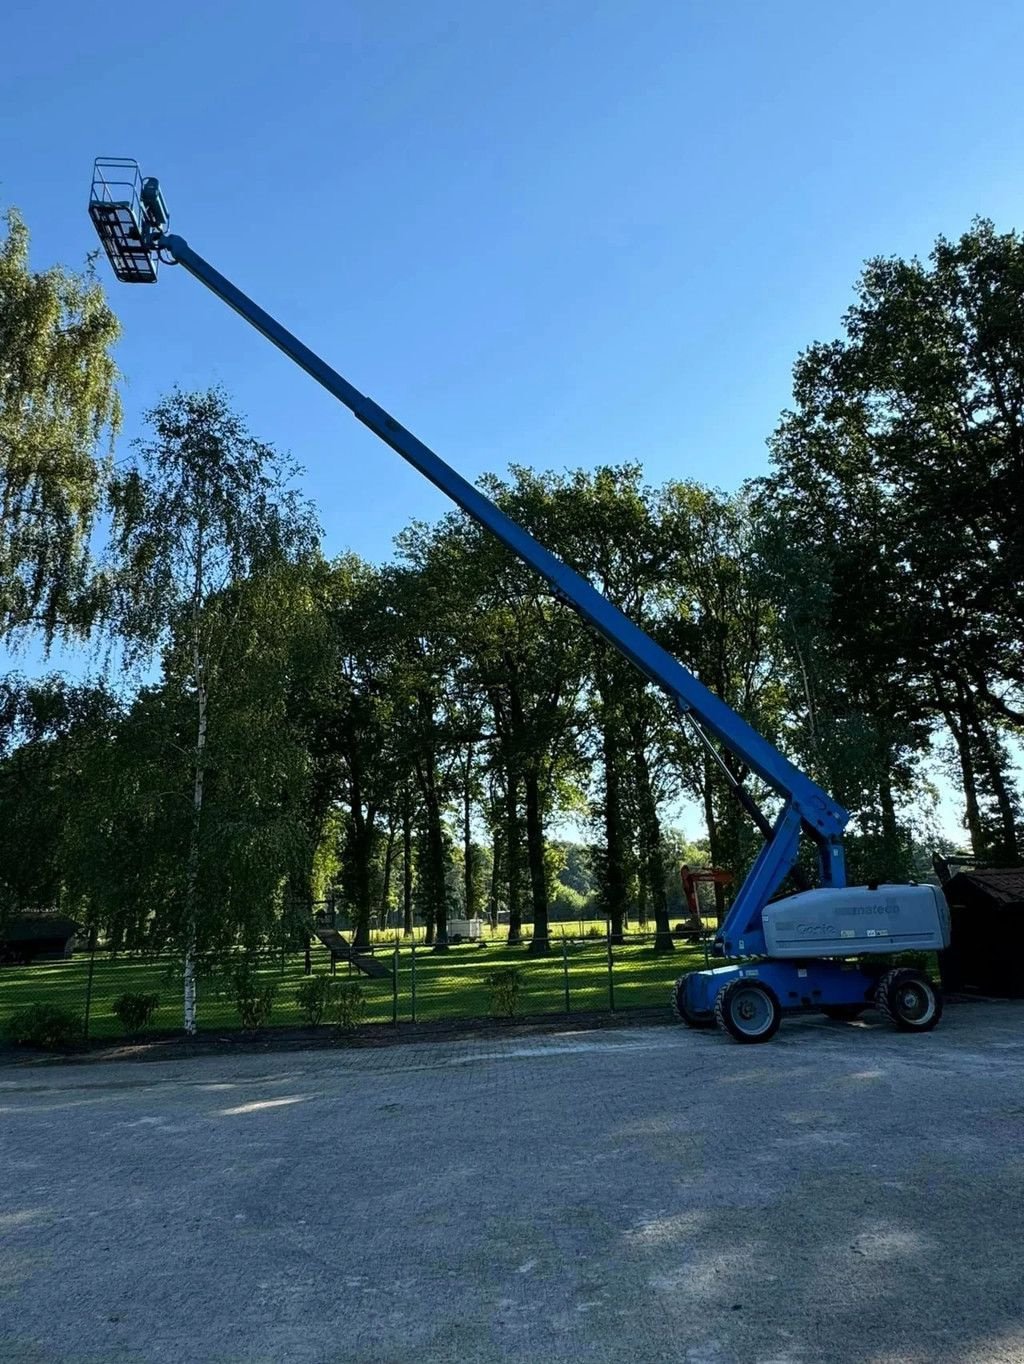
(554, 233)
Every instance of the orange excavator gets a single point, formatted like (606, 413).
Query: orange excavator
(691, 877)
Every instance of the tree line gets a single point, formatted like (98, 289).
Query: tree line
(418, 732)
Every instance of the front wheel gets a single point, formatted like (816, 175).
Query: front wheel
(748, 1010)
(909, 1000)
(684, 1014)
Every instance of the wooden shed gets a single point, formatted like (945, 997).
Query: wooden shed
(987, 949)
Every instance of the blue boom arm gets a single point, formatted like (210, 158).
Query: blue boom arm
(806, 805)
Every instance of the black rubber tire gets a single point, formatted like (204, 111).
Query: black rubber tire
(726, 1010)
(683, 1013)
(843, 1013)
(898, 1010)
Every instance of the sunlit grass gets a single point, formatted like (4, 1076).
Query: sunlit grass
(447, 985)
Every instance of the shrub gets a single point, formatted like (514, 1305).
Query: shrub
(594, 932)
(505, 985)
(254, 1000)
(314, 997)
(135, 1011)
(50, 1026)
(347, 1004)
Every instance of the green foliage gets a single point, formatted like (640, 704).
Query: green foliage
(900, 465)
(347, 1005)
(49, 1026)
(59, 409)
(338, 725)
(206, 507)
(315, 998)
(55, 742)
(203, 816)
(505, 985)
(253, 997)
(135, 1011)
(567, 903)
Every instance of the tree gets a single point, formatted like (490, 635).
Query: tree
(53, 733)
(434, 728)
(722, 621)
(59, 410)
(525, 657)
(607, 525)
(901, 468)
(206, 507)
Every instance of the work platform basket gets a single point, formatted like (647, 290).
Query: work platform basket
(124, 218)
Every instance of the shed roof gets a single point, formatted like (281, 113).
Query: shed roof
(1001, 886)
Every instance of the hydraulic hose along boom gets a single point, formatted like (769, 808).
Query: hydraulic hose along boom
(132, 220)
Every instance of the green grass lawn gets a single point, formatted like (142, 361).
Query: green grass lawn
(448, 985)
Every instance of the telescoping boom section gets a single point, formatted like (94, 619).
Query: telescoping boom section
(131, 219)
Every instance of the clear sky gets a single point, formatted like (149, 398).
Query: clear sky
(554, 233)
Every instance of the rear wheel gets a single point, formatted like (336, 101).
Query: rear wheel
(909, 1000)
(684, 1014)
(748, 1010)
(843, 1013)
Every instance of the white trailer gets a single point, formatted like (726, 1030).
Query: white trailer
(465, 930)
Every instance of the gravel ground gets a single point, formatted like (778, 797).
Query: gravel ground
(844, 1194)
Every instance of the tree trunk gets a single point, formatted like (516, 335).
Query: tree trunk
(497, 869)
(957, 727)
(389, 857)
(891, 841)
(424, 894)
(361, 852)
(435, 856)
(890, 829)
(512, 842)
(192, 866)
(432, 884)
(407, 867)
(711, 820)
(540, 941)
(652, 858)
(467, 840)
(359, 840)
(615, 888)
(994, 765)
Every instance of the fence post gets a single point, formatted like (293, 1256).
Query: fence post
(394, 987)
(611, 981)
(88, 984)
(565, 972)
(412, 984)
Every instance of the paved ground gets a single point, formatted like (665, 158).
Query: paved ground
(844, 1195)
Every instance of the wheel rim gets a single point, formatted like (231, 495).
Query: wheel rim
(914, 1001)
(752, 1011)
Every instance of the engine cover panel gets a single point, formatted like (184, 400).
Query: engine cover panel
(849, 921)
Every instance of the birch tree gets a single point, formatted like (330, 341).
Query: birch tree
(204, 505)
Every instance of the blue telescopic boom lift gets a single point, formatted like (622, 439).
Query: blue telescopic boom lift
(817, 949)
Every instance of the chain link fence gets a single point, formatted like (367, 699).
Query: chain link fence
(103, 994)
